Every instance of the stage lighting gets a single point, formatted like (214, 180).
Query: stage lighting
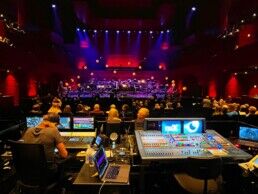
(95, 31)
(168, 31)
(162, 32)
(117, 31)
(151, 32)
(106, 31)
(254, 14)
(53, 6)
(77, 29)
(84, 30)
(128, 32)
(193, 8)
(140, 32)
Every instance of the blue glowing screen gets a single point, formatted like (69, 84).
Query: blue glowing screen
(192, 126)
(171, 127)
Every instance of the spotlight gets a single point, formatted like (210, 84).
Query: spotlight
(254, 14)
(166, 78)
(248, 35)
(140, 32)
(106, 31)
(7, 71)
(168, 31)
(242, 21)
(2, 15)
(133, 73)
(91, 73)
(151, 32)
(84, 30)
(193, 8)
(78, 77)
(117, 31)
(128, 32)
(53, 6)
(255, 86)
(162, 32)
(95, 31)
(77, 29)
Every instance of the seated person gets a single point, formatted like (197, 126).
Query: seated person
(126, 113)
(141, 115)
(56, 106)
(96, 111)
(68, 110)
(46, 133)
(113, 116)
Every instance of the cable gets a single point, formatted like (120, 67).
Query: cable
(101, 186)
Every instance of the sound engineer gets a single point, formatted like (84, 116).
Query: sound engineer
(46, 133)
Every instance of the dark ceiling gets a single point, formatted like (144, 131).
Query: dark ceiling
(196, 32)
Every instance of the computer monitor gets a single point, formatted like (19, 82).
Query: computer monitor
(65, 123)
(191, 126)
(171, 127)
(84, 124)
(175, 125)
(248, 133)
(33, 120)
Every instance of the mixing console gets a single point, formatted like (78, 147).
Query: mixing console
(153, 145)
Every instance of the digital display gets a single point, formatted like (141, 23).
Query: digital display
(33, 121)
(83, 123)
(248, 133)
(101, 161)
(192, 126)
(171, 127)
(256, 161)
(65, 123)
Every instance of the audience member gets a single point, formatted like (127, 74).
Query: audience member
(96, 111)
(56, 106)
(141, 115)
(113, 116)
(68, 110)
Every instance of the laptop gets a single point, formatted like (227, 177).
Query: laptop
(248, 136)
(117, 173)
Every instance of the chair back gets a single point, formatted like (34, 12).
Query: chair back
(204, 168)
(113, 128)
(30, 163)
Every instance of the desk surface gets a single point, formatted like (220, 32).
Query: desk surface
(85, 177)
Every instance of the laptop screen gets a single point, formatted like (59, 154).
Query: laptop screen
(33, 121)
(65, 123)
(248, 133)
(101, 161)
(83, 124)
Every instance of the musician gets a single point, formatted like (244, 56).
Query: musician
(172, 89)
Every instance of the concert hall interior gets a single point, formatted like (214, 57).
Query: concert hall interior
(162, 85)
